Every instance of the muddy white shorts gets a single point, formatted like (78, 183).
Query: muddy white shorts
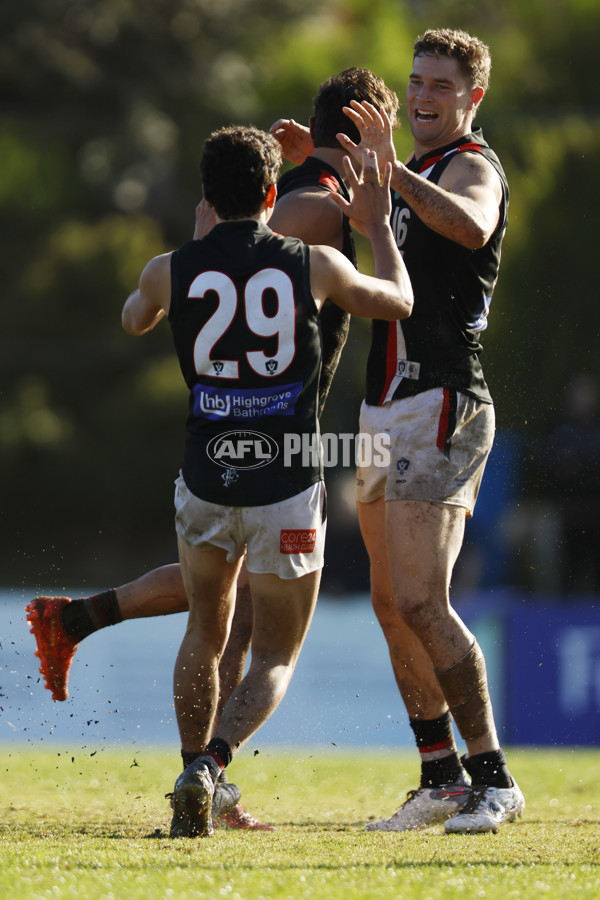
(439, 442)
(285, 539)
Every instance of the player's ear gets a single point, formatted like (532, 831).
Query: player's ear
(476, 97)
(271, 197)
(311, 127)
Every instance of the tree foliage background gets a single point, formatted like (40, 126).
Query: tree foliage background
(104, 105)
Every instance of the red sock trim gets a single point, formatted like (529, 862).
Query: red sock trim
(216, 758)
(443, 745)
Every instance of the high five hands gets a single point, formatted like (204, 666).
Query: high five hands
(371, 199)
(375, 131)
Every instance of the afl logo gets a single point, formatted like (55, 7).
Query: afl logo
(242, 450)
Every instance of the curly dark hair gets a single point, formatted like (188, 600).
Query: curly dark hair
(472, 55)
(335, 93)
(238, 166)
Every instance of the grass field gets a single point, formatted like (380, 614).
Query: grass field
(93, 825)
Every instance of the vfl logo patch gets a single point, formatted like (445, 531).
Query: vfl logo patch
(297, 540)
(271, 366)
(402, 467)
(218, 367)
(408, 369)
(241, 450)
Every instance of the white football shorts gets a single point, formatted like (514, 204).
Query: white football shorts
(286, 539)
(439, 443)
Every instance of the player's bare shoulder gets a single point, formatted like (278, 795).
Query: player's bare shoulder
(469, 170)
(311, 215)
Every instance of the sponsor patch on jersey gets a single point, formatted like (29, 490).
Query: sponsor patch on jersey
(227, 404)
(408, 369)
(241, 450)
(294, 540)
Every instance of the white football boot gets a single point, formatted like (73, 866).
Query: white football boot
(425, 807)
(487, 810)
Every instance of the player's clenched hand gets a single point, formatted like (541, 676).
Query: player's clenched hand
(296, 142)
(375, 131)
(371, 202)
(206, 219)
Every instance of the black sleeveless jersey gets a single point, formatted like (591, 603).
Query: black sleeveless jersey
(335, 322)
(439, 344)
(246, 331)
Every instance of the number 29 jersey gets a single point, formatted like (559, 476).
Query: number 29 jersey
(246, 331)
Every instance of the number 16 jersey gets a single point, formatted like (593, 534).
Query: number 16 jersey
(246, 331)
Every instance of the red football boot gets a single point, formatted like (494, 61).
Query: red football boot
(240, 820)
(54, 648)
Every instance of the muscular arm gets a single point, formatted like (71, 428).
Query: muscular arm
(464, 206)
(387, 295)
(147, 305)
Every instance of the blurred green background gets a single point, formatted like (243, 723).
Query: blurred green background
(104, 106)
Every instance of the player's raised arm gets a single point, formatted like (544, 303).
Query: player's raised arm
(147, 305)
(386, 295)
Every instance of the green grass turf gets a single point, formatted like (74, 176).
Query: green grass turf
(89, 825)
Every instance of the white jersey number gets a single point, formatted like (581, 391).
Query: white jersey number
(400, 219)
(282, 324)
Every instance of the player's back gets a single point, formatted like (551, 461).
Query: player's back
(246, 331)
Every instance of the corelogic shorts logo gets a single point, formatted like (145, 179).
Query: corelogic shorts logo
(297, 540)
(242, 450)
(242, 405)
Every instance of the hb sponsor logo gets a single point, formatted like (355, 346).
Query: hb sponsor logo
(242, 450)
(244, 404)
(294, 540)
(213, 406)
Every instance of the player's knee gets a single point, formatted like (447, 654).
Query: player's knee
(275, 669)
(417, 610)
(383, 606)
